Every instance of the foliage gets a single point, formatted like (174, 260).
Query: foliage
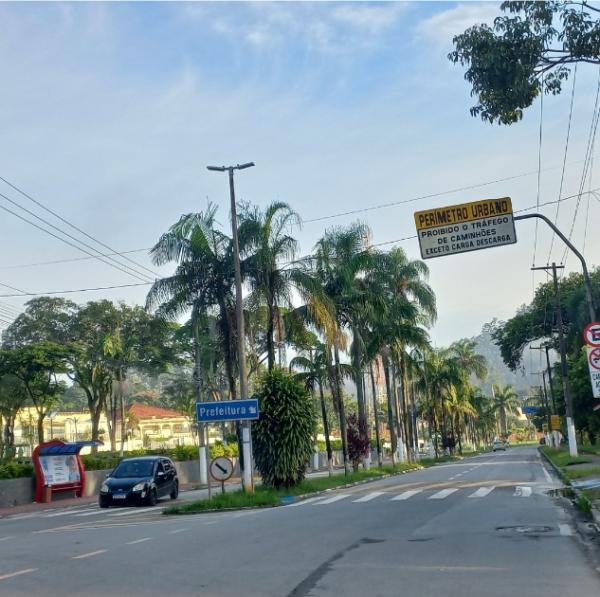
(283, 436)
(14, 470)
(525, 52)
(221, 449)
(358, 442)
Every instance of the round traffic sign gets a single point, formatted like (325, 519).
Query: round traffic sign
(594, 358)
(221, 468)
(591, 334)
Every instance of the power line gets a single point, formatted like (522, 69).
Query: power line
(562, 176)
(73, 291)
(588, 157)
(65, 221)
(8, 307)
(432, 195)
(69, 260)
(112, 261)
(68, 242)
(12, 288)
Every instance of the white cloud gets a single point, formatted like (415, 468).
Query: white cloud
(443, 26)
(368, 17)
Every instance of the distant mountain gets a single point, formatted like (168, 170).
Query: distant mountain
(498, 372)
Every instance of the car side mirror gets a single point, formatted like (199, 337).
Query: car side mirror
(107, 475)
(160, 474)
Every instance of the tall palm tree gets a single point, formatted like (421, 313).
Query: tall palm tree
(505, 402)
(269, 251)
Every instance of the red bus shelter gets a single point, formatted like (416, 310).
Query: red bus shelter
(58, 467)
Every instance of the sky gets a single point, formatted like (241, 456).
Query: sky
(110, 113)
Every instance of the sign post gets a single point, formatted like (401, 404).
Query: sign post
(465, 227)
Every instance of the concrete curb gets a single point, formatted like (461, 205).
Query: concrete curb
(594, 511)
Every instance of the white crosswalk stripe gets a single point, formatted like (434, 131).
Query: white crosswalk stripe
(482, 492)
(69, 512)
(331, 500)
(92, 512)
(303, 502)
(368, 497)
(444, 493)
(405, 495)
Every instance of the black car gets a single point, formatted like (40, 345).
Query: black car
(141, 480)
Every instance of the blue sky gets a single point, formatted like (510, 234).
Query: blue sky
(110, 113)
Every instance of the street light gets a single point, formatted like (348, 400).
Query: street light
(246, 445)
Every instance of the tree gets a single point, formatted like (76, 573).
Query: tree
(505, 402)
(37, 368)
(12, 399)
(283, 436)
(526, 52)
(358, 442)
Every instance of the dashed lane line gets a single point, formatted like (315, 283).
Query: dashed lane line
(89, 554)
(565, 530)
(6, 538)
(175, 531)
(131, 512)
(17, 573)
(142, 540)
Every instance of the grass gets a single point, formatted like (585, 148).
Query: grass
(266, 496)
(591, 449)
(562, 458)
(582, 472)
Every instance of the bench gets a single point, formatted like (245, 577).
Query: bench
(63, 487)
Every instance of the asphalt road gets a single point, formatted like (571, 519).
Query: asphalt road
(484, 526)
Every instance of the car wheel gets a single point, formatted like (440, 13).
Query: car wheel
(103, 503)
(152, 498)
(175, 491)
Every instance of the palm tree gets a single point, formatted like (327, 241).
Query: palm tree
(269, 251)
(505, 402)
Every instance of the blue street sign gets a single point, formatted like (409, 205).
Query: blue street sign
(228, 410)
(529, 410)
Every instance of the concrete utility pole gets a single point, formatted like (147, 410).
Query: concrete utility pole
(546, 347)
(247, 480)
(563, 362)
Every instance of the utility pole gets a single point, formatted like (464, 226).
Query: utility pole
(563, 362)
(247, 480)
(546, 347)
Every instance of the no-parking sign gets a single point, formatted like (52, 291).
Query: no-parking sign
(594, 367)
(591, 334)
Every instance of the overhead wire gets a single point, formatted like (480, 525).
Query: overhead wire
(588, 157)
(112, 262)
(65, 221)
(562, 175)
(10, 211)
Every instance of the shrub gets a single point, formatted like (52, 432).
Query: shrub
(358, 442)
(14, 470)
(283, 436)
(221, 449)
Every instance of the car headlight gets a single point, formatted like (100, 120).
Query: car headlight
(104, 488)
(139, 487)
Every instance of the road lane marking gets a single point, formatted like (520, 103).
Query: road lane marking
(522, 491)
(482, 492)
(444, 493)
(92, 512)
(17, 573)
(331, 500)
(565, 530)
(304, 502)
(405, 495)
(89, 554)
(23, 516)
(178, 531)
(7, 538)
(137, 511)
(368, 497)
(546, 474)
(139, 541)
(69, 512)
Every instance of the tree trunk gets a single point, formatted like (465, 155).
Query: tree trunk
(8, 439)
(376, 416)
(340, 406)
(400, 437)
(122, 401)
(40, 426)
(358, 380)
(326, 430)
(270, 333)
(388, 391)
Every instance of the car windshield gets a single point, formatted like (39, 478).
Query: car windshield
(133, 468)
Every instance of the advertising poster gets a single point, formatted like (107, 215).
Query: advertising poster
(59, 469)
